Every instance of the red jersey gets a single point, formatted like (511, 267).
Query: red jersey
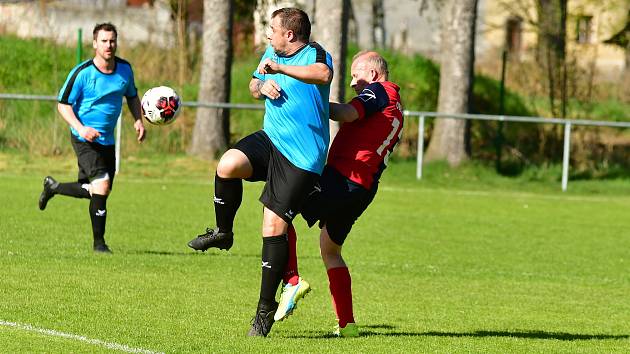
(361, 147)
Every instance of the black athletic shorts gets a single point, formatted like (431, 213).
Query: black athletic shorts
(287, 186)
(337, 203)
(94, 160)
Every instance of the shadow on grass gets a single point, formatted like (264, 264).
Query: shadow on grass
(527, 335)
(209, 253)
(368, 331)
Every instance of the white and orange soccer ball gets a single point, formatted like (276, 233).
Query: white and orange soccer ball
(161, 105)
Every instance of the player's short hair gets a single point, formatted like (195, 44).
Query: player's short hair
(295, 20)
(107, 27)
(374, 61)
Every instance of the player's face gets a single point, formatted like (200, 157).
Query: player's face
(105, 45)
(277, 36)
(361, 76)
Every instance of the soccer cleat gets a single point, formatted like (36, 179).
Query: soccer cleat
(349, 331)
(49, 185)
(212, 238)
(262, 322)
(102, 248)
(291, 294)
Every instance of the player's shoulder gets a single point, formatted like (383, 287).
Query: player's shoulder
(87, 64)
(122, 63)
(320, 54)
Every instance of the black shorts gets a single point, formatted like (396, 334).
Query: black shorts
(287, 186)
(94, 160)
(337, 203)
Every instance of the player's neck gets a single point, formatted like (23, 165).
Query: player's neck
(294, 48)
(105, 65)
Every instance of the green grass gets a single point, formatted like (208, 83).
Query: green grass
(462, 261)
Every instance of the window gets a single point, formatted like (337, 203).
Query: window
(584, 30)
(513, 35)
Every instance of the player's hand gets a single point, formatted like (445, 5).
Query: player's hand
(268, 66)
(271, 89)
(139, 129)
(89, 133)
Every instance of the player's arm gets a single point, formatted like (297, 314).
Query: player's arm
(372, 99)
(260, 89)
(343, 112)
(317, 73)
(135, 107)
(87, 133)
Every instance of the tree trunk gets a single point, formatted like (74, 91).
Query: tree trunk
(212, 125)
(378, 24)
(552, 17)
(182, 49)
(331, 31)
(457, 47)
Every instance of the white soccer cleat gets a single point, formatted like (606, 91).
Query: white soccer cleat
(291, 294)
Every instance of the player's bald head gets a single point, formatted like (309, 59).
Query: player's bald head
(372, 60)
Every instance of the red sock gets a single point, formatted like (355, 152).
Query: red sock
(340, 285)
(291, 274)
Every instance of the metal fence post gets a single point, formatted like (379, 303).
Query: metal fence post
(420, 147)
(565, 155)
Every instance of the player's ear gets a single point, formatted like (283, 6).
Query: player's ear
(94, 44)
(290, 35)
(373, 75)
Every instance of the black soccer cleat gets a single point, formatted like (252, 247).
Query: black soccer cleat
(262, 322)
(212, 238)
(49, 191)
(102, 248)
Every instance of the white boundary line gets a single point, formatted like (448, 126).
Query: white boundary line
(50, 332)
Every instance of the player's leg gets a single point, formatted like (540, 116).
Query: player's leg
(285, 192)
(100, 187)
(79, 189)
(340, 284)
(295, 287)
(291, 274)
(350, 200)
(100, 165)
(247, 160)
(275, 253)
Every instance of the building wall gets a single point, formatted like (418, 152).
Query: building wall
(60, 20)
(607, 17)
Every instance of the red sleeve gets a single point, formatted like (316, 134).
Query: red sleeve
(356, 103)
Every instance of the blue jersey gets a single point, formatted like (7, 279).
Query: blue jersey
(297, 121)
(96, 98)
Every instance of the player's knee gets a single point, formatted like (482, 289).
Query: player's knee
(101, 184)
(234, 164)
(329, 250)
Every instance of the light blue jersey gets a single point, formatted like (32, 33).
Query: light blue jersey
(297, 121)
(96, 98)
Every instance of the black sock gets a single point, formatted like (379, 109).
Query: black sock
(73, 189)
(228, 193)
(98, 215)
(275, 255)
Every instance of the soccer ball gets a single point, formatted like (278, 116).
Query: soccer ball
(160, 105)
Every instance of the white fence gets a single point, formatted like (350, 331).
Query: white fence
(568, 123)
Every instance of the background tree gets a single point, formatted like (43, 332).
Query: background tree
(457, 27)
(622, 40)
(331, 31)
(551, 51)
(212, 125)
(378, 24)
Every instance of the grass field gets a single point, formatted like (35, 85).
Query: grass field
(449, 264)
